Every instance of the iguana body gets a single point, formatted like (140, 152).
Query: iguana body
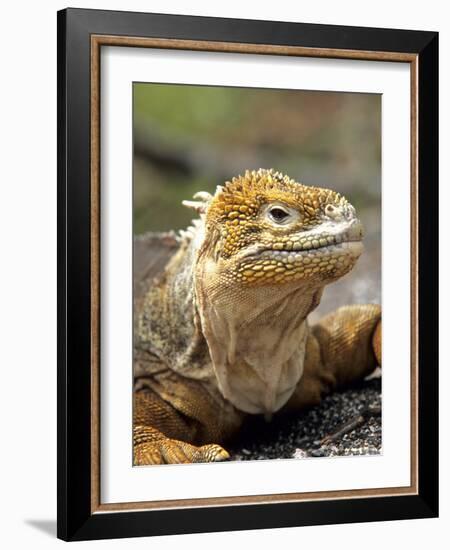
(223, 332)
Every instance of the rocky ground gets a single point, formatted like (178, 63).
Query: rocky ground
(357, 410)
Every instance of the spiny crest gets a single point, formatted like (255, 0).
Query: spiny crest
(259, 181)
(186, 235)
(200, 205)
(203, 198)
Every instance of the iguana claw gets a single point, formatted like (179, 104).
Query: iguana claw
(173, 451)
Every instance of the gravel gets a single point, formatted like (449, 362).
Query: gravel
(301, 435)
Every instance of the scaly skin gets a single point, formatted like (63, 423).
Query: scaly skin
(224, 332)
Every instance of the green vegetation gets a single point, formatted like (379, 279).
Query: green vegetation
(190, 138)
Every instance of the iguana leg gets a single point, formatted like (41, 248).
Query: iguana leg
(343, 347)
(160, 433)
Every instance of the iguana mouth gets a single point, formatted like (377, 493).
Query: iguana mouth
(328, 252)
(322, 242)
(328, 246)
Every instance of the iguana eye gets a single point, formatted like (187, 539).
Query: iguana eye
(278, 214)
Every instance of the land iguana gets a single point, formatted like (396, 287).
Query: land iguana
(223, 332)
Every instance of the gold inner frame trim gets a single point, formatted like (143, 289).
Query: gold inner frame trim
(97, 41)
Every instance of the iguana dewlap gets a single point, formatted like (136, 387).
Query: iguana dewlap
(224, 332)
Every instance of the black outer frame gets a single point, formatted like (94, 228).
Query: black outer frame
(75, 521)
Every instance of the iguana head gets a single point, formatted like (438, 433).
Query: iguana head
(267, 246)
(264, 228)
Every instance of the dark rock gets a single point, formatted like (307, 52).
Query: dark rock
(291, 436)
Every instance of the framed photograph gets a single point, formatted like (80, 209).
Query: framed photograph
(247, 255)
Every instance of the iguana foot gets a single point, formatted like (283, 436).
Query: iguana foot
(173, 451)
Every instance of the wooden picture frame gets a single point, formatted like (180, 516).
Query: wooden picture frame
(81, 35)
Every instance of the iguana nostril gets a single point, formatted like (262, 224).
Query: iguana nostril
(356, 230)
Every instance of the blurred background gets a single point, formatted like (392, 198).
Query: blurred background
(192, 138)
